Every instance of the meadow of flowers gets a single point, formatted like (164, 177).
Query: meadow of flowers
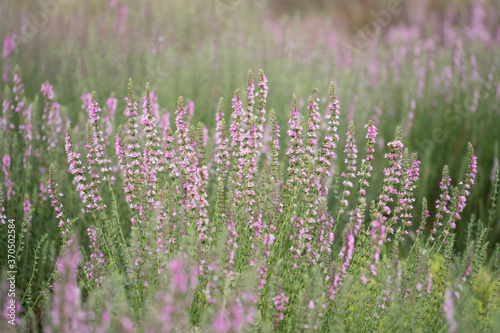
(369, 204)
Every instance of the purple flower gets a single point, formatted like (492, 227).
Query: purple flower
(8, 181)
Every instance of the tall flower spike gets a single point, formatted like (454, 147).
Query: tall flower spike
(392, 177)
(275, 146)
(201, 186)
(251, 160)
(313, 122)
(351, 151)
(202, 144)
(126, 168)
(152, 149)
(404, 206)
(364, 173)
(94, 267)
(330, 140)
(325, 157)
(463, 191)
(443, 201)
(237, 145)
(94, 180)
(76, 168)
(120, 151)
(97, 139)
(181, 127)
(296, 148)
(133, 152)
(261, 109)
(251, 98)
(54, 194)
(190, 171)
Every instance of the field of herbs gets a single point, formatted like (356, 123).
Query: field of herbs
(347, 182)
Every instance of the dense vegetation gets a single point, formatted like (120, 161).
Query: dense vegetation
(368, 206)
